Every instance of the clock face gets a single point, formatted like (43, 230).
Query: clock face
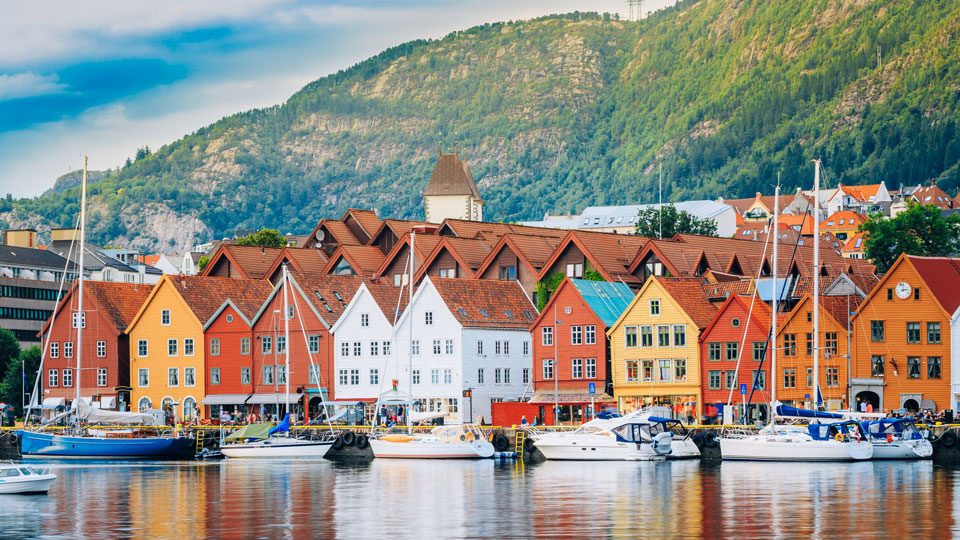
(903, 290)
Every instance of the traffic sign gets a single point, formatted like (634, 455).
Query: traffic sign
(743, 389)
(592, 388)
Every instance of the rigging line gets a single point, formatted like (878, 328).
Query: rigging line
(313, 367)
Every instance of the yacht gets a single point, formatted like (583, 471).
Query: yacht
(442, 442)
(19, 478)
(263, 441)
(896, 438)
(622, 438)
(836, 441)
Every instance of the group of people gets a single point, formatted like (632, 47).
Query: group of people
(388, 418)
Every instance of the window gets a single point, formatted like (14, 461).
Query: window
(364, 319)
(173, 377)
(189, 376)
(281, 374)
(833, 376)
(830, 342)
(679, 335)
(506, 347)
(386, 348)
(809, 377)
(314, 377)
(374, 376)
(215, 347)
(448, 346)
(758, 348)
(79, 319)
(913, 367)
(188, 346)
(506, 375)
(101, 349)
(55, 349)
(546, 336)
(354, 377)
(245, 345)
(526, 348)
(68, 349)
(633, 371)
(713, 351)
(266, 345)
(244, 375)
(526, 375)
(630, 337)
(575, 270)
(479, 375)
(416, 376)
(143, 377)
(680, 369)
(508, 273)
(548, 369)
(933, 367)
(314, 340)
(654, 308)
(434, 376)
(732, 350)
(713, 379)
(916, 293)
(267, 375)
(876, 330)
(436, 346)
(52, 376)
(428, 318)
(448, 376)
(416, 346)
(913, 332)
(68, 377)
(933, 332)
(591, 368)
(759, 380)
(890, 294)
(590, 334)
(576, 335)
(646, 370)
(663, 336)
(790, 378)
(576, 369)
(809, 344)
(101, 376)
(357, 349)
(729, 379)
(374, 348)
(664, 370)
(344, 378)
(165, 317)
(876, 366)
(291, 310)
(497, 376)
(789, 344)
(646, 336)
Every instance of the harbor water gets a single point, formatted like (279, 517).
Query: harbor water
(235, 499)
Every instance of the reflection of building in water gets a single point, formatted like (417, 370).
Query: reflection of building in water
(164, 502)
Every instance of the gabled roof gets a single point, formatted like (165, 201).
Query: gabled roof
(367, 219)
(452, 176)
(471, 229)
(252, 262)
(942, 276)
(384, 295)
(760, 315)
(688, 293)
(932, 195)
(399, 227)
(469, 253)
(118, 302)
(423, 246)
(328, 295)
(533, 251)
(607, 300)
(205, 295)
(611, 254)
(722, 290)
(834, 307)
(843, 219)
(365, 260)
(742, 205)
(299, 260)
(855, 243)
(484, 303)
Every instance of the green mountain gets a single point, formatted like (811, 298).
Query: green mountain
(561, 112)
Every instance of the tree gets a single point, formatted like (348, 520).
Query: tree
(9, 349)
(202, 263)
(920, 230)
(12, 388)
(674, 222)
(264, 238)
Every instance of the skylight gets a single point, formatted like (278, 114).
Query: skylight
(527, 314)
(484, 313)
(508, 313)
(462, 312)
(335, 293)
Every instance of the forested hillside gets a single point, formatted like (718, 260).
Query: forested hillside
(558, 113)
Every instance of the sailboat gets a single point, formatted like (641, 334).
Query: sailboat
(843, 440)
(265, 440)
(84, 442)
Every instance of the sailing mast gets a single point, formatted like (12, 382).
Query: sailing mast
(286, 343)
(78, 317)
(776, 293)
(816, 284)
(410, 338)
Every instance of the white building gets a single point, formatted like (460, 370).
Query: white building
(623, 219)
(452, 192)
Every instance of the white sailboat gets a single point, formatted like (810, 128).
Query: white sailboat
(839, 441)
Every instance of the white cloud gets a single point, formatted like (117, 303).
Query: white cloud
(29, 84)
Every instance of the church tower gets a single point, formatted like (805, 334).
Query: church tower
(452, 193)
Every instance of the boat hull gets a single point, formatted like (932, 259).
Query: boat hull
(564, 447)
(48, 445)
(417, 449)
(911, 449)
(683, 449)
(786, 448)
(34, 483)
(277, 447)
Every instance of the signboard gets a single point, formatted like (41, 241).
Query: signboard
(592, 388)
(743, 389)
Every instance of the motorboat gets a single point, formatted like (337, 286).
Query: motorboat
(19, 478)
(896, 438)
(263, 441)
(623, 438)
(837, 441)
(682, 445)
(464, 441)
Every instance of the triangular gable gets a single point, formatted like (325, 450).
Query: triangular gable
(547, 308)
(220, 310)
(361, 291)
(164, 282)
(427, 284)
(505, 243)
(644, 253)
(734, 266)
(437, 251)
(276, 289)
(572, 238)
(223, 256)
(754, 318)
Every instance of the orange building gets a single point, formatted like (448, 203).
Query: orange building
(843, 224)
(901, 336)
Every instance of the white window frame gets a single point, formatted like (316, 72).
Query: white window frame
(193, 375)
(101, 349)
(590, 334)
(576, 368)
(188, 347)
(68, 349)
(548, 369)
(53, 378)
(546, 336)
(101, 376)
(164, 317)
(173, 374)
(214, 346)
(215, 376)
(143, 374)
(590, 368)
(55, 349)
(67, 378)
(173, 344)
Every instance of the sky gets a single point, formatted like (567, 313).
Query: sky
(105, 77)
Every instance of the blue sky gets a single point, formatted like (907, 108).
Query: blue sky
(104, 77)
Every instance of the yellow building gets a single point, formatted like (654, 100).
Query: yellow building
(654, 350)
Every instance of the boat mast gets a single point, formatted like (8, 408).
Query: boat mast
(78, 318)
(776, 294)
(410, 339)
(286, 341)
(816, 283)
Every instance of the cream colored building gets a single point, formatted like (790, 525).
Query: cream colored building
(452, 193)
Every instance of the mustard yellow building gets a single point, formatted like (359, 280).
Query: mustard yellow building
(654, 351)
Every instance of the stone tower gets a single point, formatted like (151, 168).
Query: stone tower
(452, 193)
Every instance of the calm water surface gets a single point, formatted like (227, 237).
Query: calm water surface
(236, 499)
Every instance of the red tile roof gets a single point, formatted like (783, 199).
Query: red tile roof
(392, 300)
(367, 219)
(610, 253)
(942, 276)
(365, 260)
(932, 195)
(329, 294)
(204, 295)
(118, 302)
(486, 303)
(689, 294)
(842, 220)
(253, 262)
(470, 229)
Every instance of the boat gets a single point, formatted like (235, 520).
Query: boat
(261, 441)
(463, 441)
(20, 478)
(622, 438)
(896, 438)
(81, 441)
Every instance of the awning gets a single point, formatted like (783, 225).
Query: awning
(348, 402)
(266, 399)
(572, 398)
(54, 402)
(394, 396)
(225, 399)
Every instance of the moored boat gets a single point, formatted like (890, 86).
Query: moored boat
(19, 478)
(624, 438)
(260, 441)
(838, 441)
(443, 442)
(896, 438)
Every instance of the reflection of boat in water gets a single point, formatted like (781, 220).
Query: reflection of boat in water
(443, 442)
(260, 441)
(896, 438)
(636, 436)
(18, 478)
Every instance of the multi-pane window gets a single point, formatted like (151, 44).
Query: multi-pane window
(448, 346)
(68, 349)
(68, 377)
(664, 369)
(876, 331)
(364, 319)
(789, 344)
(506, 347)
(416, 346)
(630, 336)
(546, 336)
(760, 380)
(576, 368)
(55, 349)
(143, 377)
(79, 320)
(173, 377)
(172, 347)
(189, 376)
(590, 334)
(448, 376)
(646, 336)
(526, 376)
(732, 350)
(314, 375)
(506, 375)
(632, 371)
(357, 348)
(436, 346)
(386, 348)
(281, 344)
(343, 377)
(374, 376)
(729, 378)
(576, 335)
(548, 369)
(830, 343)
(416, 376)
(663, 336)
(809, 344)
(496, 348)
(215, 347)
(165, 317)
(679, 335)
(434, 376)
(913, 367)
(790, 378)
(913, 332)
(188, 346)
(876, 366)
(526, 348)
(933, 367)
(101, 376)
(53, 376)
(591, 364)
(497, 376)
(833, 376)
(933, 332)
(655, 308)
(314, 343)
(281, 374)
(244, 375)
(713, 379)
(245, 345)
(646, 370)
(479, 375)
(758, 348)
(809, 377)
(266, 345)
(680, 369)
(354, 377)
(428, 318)
(374, 348)
(713, 351)
(101, 349)
(267, 375)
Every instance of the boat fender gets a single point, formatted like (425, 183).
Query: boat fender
(839, 437)
(500, 443)
(338, 442)
(710, 439)
(469, 436)
(362, 441)
(528, 445)
(13, 439)
(348, 437)
(948, 439)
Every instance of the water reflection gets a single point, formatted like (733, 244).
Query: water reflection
(485, 499)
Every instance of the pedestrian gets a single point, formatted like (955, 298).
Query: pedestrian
(869, 408)
(523, 420)
(863, 405)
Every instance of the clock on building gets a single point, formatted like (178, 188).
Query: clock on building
(903, 290)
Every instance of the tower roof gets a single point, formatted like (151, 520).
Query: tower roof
(452, 176)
